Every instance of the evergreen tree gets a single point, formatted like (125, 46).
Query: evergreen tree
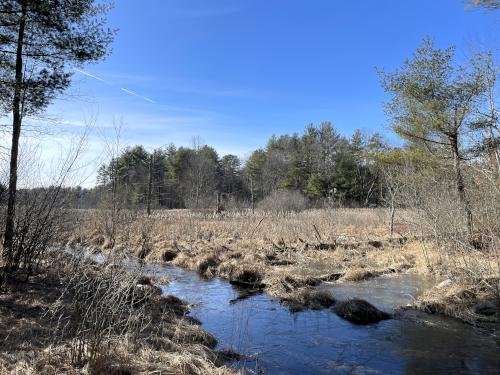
(432, 105)
(40, 40)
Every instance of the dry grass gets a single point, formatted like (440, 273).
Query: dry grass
(31, 343)
(468, 279)
(291, 253)
(459, 299)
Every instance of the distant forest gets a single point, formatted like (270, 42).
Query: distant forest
(319, 167)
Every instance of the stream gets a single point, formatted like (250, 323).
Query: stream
(277, 341)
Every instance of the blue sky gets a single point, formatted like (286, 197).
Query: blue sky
(236, 72)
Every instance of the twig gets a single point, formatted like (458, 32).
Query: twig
(257, 226)
(318, 236)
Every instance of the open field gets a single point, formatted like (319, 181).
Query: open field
(288, 255)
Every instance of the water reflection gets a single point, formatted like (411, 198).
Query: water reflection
(319, 342)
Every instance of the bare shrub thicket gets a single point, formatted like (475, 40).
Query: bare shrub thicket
(437, 220)
(111, 319)
(98, 309)
(284, 202)
(485, 200)
(40, 214)
(40, 210)
(146, 244)
(436, 205)
(114, 221)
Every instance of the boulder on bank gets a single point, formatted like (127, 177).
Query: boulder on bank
(359, 311)
(169, 255)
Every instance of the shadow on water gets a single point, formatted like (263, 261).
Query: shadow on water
(319, 342)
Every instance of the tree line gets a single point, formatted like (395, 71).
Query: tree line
(321, 164)
(446, 113)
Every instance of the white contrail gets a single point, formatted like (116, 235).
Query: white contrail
(139, 96)
(109, 83)
(92, 76)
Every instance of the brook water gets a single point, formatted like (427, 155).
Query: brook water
(319, 342)
(277, 341)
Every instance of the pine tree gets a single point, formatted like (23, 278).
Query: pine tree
(432, 104)
(39, 42)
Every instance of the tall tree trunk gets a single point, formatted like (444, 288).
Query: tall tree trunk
(494, 152)
(150, 183)
(459, 183)
(14, 151)
(393, 212)
(218, 208)
(492, 143)
(252, 195)
(368, 195)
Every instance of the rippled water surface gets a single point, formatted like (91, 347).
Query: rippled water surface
(319, 342)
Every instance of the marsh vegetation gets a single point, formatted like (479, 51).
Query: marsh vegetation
(181, 260)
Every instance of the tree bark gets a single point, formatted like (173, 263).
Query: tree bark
(150, 183)
(492, 143)
(459, 183)
(495, 157)
(252, 195)
(393, 212)
(218, 208)
(14, 151)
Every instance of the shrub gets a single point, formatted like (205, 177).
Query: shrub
(103, 305)
(284, 202)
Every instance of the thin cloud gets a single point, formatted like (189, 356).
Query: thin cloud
(110, 84)
(234, 93)
(176, 85)
(92, 76)
(139, 96)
